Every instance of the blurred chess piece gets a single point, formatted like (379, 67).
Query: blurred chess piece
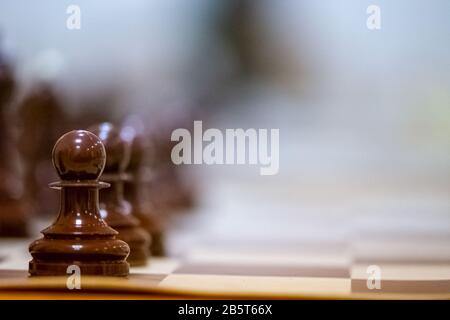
(13, 217)
(116, 211)
(41, 120)
(95, 107)
(136, 191)
(79, 236)
(168, 185)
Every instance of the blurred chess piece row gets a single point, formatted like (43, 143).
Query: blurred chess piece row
(114, 209)
(146, 188)
(145, 205)
(100, 232)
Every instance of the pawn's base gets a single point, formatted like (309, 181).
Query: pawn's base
(138, 240)
(138, 256)
(54, 268)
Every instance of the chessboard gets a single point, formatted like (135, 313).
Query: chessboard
(248, 249)
(224, 271)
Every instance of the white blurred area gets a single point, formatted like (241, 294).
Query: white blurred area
(363, 115)
(141, 47)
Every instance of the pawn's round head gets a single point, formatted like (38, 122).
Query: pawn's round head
(79, 155)
(117, 147)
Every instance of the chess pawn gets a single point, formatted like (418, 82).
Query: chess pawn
(116, 211)
(79, 236)
(143, 208)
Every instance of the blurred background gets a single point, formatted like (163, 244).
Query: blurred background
(363, 114)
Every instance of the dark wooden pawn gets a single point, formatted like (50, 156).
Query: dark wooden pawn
(118, 212)
(79, 236)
